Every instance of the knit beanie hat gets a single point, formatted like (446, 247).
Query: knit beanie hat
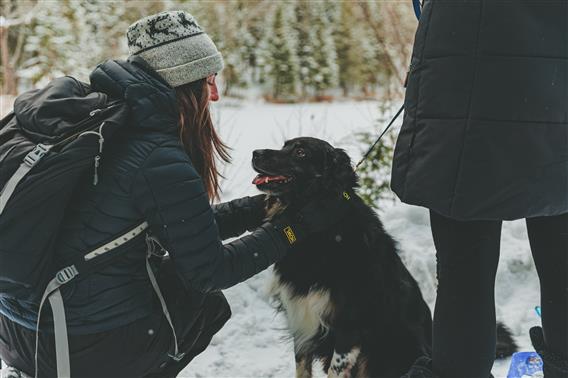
(175, 46)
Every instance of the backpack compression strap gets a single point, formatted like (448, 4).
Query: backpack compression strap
(67, 274)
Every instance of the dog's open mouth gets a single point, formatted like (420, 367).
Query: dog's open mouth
(262, 179)
(265, 178)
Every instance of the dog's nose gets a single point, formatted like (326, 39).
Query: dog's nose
(257, 154)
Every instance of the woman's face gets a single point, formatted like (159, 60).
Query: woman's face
(213, 91)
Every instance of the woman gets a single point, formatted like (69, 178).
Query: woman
(161, 169)
(485, 139)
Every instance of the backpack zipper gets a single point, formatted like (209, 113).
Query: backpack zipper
(92, 114)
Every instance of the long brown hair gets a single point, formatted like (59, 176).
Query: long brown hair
(199, 138)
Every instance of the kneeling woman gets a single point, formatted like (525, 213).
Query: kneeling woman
(160, 169)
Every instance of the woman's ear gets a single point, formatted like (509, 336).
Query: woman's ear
(340, 172)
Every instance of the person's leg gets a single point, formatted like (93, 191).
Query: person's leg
(464, 316)
(128, 351)
(548, 237)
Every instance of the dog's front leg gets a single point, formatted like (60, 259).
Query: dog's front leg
(342, 363)
(303, 362)
(347, 350)
(304, 366)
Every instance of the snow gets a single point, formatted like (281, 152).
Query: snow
(254, 343)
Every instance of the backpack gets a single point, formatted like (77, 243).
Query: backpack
(53, 139)
(41, 163)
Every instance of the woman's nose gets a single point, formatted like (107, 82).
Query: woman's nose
(213, 92)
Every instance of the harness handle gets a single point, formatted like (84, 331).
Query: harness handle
(417, 4)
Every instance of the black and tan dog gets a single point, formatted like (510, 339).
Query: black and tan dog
(348, 299)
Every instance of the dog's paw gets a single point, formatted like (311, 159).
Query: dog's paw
(342, 363)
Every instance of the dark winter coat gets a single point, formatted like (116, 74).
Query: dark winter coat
(485, 131)
(146, 175)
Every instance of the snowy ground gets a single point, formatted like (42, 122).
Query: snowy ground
(253, 343)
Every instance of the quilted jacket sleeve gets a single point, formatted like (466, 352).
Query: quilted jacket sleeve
(170, 194)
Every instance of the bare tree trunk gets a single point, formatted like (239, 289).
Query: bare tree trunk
(9, 78)
(16, 14)
(395, 70)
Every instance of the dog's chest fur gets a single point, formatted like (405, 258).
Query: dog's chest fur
(309, 315)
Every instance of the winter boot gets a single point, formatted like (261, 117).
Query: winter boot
(554, 365)
(422, 368)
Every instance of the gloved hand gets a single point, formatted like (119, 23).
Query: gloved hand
(253, 210)
(316, 216)
(239, 215)
(554, 365)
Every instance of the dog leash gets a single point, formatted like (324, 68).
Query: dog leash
(417, 5)
(380, 136)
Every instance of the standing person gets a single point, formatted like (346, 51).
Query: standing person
(160, 169)
(485, 139)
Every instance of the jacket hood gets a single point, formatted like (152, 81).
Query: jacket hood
(143, 90)
(45, 113)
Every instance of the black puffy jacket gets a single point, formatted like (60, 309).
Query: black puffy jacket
(485, 131)
(145, 174)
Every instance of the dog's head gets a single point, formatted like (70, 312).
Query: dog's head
(302, 169)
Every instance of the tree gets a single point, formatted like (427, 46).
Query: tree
(350, 58)
(15, 16)
(282, 65)
(323, 46)
(305, 49)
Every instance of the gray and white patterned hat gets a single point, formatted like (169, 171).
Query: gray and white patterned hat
(175, 46)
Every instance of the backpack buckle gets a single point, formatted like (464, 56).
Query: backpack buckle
(177, 357)
(36, 154)
(66, 274)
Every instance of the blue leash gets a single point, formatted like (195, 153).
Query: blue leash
(417, 8)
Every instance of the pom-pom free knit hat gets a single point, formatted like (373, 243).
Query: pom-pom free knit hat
(175, 46)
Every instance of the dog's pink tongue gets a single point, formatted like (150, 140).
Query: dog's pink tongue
(258, 180)
(262, 179)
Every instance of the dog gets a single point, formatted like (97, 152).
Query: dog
(349, 300)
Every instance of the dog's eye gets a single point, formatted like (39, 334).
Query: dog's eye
(300, 152)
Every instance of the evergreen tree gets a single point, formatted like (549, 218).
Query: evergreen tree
(282, 65)
(68, 37)
(370, 71)
(290, 47)
(349, 51)
(324, 52)
(305, 52)
(49, 45)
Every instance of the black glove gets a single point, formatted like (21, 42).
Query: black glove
(554, 365)
(239, 215)
(316, 216)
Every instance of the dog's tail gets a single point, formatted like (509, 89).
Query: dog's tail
(506, 345)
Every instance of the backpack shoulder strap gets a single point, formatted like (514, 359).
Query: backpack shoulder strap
(31, 159)
(83, 267)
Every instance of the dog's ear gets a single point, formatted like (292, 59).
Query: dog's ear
(339, 171)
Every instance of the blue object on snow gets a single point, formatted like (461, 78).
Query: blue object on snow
(537, 309)
(417, 8)
(525, 364)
